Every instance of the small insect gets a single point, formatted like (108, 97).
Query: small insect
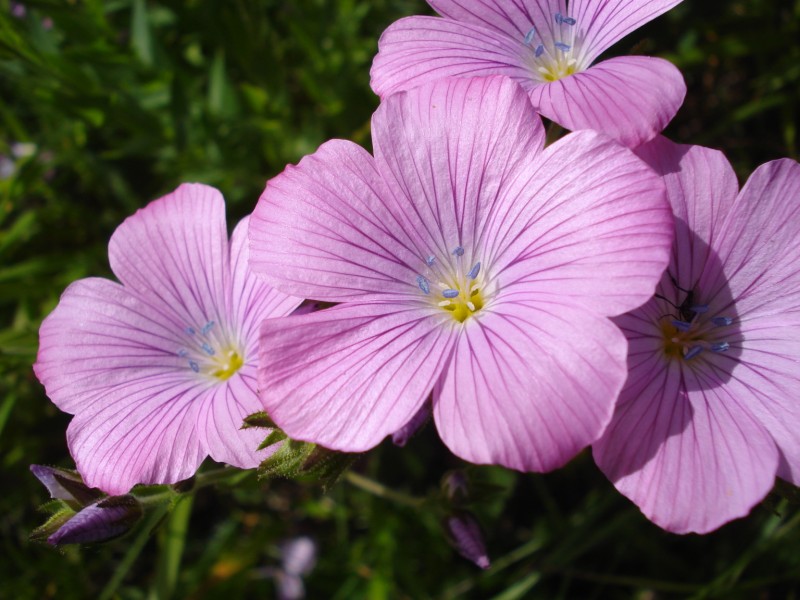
(687, 309)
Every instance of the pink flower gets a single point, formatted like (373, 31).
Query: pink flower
(468, 261)
(711, 409)
(548, 46)
(160, 371)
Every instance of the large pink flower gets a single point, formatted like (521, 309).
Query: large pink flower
(468, 261)
(711, 410)
(548, 46)
(160, 371)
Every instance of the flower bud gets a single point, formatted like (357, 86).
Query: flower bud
(104, 520)
(466, 537)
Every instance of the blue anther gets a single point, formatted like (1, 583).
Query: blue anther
(722, 321)
(195, 366)
(568, 20)
(693, 351)
(190, 330)
(207, 327)
(720, 347)
(473, 272)
(681, 325)
(183, 353)
(458, 251)
(562, 46)
(450, 293)
(430, 260)
(539, 50)
(424, 284)
(208, 349)
(559, 18)
(700, 308)
(529, 36)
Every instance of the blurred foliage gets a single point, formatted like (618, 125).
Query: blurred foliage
(109, 104)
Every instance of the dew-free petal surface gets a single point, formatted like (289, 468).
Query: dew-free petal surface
(322, 230)
(175, 250)
(691, 460)
(531, 383)
(448, 150)
(601, 23)
(588, 223)
(348, 376)
(418, 50)
(630, 98)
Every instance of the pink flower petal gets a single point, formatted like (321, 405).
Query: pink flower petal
(603, 22)
(252, 300)
(449, 148)
(141, 432)
(691, 460)
(588, 223)
(101, 336)
(513, 17)
(532, 382)
(323, 230)
(418, 50)
(220, 418)
(630, 98)
(701, 188)
(766, 378)
(175, 251)
(760, 244)
(348, 376)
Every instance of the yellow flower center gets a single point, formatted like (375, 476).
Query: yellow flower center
(226, 364)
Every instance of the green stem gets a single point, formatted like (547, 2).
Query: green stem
(172, 542)
(133, 552)
(381, 491)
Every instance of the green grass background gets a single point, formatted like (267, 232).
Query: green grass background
(124, 99)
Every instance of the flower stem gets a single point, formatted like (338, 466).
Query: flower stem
(381, 491)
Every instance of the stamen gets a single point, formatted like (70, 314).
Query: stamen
(190, 330)
(722, 321)
(444, 303)
(562, 46)
(208, 349)
(195, 366)
(424, 284)
(450, 293)
(458, 251)
(471, 306)
(529, 36)
(699, 308)
(430, 260)
(681, 325)
(207, 327)
(473, 272)
(539, 51)
(693, 351)
(720, 347)
(183, 353)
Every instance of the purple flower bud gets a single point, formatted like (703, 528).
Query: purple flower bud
(467, 538)
(67, 485)
(99, 522)
(402, 435)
